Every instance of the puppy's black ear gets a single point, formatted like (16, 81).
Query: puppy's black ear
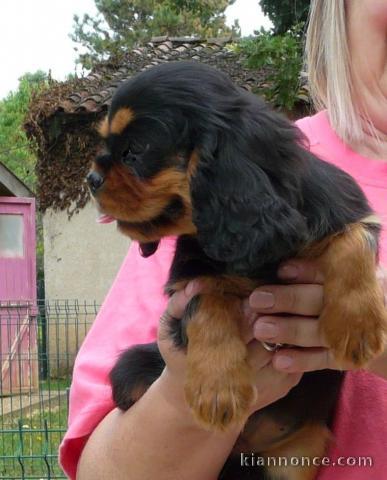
(148, 249)
(243, 216)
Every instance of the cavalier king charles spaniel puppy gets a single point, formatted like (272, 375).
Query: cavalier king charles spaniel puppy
(190, 154)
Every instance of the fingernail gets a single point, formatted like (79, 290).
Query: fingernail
(288, 272)
(283, 362)
(266, 330)
(262, 299)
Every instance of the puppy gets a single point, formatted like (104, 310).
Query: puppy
(190, 154)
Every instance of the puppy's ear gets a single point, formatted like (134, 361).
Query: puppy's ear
(149, 248)
(239, 214)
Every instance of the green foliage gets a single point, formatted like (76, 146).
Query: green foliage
(285, 14)
(15, 149)
(26, 436)
(281, 57)
(122, 24)
(14, 146)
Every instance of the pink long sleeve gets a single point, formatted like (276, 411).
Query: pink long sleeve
(129, 315)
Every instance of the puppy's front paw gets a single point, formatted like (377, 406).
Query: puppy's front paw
(220, 398)
(355, 328)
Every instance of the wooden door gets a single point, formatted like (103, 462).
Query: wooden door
(18, 326)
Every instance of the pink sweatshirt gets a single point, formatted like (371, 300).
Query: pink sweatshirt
(135, 302)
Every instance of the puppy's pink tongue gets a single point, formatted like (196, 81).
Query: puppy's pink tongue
(105, 219)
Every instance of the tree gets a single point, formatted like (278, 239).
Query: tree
(14, 146)
(281, 58)
(122, 24)
(285, 13)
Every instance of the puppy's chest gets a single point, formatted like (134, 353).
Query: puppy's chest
(191, 262)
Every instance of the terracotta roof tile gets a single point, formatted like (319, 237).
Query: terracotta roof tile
(95, 90)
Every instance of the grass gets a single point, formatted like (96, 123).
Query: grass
(29, 437)
(55, 384)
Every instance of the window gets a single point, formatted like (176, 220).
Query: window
(11, 236)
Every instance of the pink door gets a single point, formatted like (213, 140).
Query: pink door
(18, 329)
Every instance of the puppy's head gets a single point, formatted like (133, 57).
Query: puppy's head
(188, 152)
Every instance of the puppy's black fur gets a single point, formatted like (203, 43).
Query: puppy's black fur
(258, 197)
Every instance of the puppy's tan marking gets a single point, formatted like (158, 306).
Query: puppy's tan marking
(305, 445)
(192, 164)
(130, 199)
(219, 383)
(354, 318)
(263, 432)
(103, 127)
(121, 120)
(182, 226)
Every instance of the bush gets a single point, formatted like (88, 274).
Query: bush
(281, 57)
(285, 13)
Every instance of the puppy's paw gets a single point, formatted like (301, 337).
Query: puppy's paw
(221, 398)
(135, 371)
(355, 329)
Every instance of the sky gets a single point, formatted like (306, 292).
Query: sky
(34, 35)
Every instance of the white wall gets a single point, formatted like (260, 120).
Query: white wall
(81, 260)
(81, 257)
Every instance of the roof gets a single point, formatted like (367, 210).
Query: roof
(94, 92)
(11, 185)
(62, 119)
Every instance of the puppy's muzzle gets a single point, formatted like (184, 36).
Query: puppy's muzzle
(95, 181)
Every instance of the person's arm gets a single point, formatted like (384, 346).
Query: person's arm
(158, 437)
(302, 299)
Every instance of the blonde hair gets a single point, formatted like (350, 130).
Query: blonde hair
(329, 69)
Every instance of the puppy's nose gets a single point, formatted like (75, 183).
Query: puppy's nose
(94, 180)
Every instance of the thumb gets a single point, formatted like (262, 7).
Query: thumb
(179, 300)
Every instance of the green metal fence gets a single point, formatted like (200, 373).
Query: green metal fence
(38, 345)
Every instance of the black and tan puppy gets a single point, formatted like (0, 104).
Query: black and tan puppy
(190, 154)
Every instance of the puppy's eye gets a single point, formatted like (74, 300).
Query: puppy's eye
(133, 153)
(127, 158)
(136, 148)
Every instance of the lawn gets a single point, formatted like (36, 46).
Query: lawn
(29, 446)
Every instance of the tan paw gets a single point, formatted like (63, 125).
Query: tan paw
(355, 330)
(221, 399)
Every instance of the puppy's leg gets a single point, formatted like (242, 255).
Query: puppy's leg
(219, 384)
(354, 318)
(135, 371)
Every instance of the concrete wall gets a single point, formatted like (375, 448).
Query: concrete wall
(81, 257)
(81, 260)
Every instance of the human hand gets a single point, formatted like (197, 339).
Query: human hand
(270, 383)
(301, 299)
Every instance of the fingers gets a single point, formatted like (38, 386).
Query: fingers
(175, 309)
(249, 317)
(301, 271)
(271, 384)
(298, 331)
(257, 355)
(180, 299)
(304, 360)
(295, 299)
(303, 298)
(274, 383)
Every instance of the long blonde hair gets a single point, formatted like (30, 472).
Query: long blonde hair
(329, 69)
